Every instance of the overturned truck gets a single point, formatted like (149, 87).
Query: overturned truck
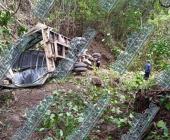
(39, 55)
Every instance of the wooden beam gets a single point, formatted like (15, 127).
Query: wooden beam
(48, 50)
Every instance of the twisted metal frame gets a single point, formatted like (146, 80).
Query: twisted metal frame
(11, 55)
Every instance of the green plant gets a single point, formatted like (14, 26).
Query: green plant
(162, 125)
(159, 51)
(5, 17)
(22, 30)
(165, 101)
(64, 115)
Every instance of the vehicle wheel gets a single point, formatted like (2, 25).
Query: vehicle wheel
(96, 55)
(79, 64)
(86, 61)
(80, 69)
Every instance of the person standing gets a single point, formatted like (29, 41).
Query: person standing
(98, 62)
(147, 70)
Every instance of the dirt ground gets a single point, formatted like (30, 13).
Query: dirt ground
(107, 56)
(13, 115)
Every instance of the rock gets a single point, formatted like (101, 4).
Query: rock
(96, 81)
(78, 78)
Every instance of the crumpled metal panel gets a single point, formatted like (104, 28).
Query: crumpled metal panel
(30, 59)
(30, 77)
(29, 70)
(9, 57)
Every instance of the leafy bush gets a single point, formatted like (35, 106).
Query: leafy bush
(5, 17)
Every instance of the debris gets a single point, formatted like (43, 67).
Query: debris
(80, 69)
(141, 123)
(80, 64)
(114, 82)
(96, 81)
(86, 61)
(34, 67)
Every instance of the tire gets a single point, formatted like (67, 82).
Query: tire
(96, 55)
(80, 69)
(87, 62)
(79, 64)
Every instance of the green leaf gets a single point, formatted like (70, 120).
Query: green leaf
(80, 119)
(52, 116)
(61, 133)
(41, 129)
(161, 124)
(167, 106)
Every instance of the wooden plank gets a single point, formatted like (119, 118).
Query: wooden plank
(48, 50)
(56, 49)
(64, 51)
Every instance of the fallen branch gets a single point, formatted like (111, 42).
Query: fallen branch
(3, 7)
(16, 9)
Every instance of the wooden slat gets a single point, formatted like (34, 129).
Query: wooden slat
(56, 49)
(48, 50)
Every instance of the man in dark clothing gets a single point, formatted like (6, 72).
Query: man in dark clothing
(147, 70)
(98, 62)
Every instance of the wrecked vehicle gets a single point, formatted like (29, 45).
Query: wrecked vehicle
(32, 67)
